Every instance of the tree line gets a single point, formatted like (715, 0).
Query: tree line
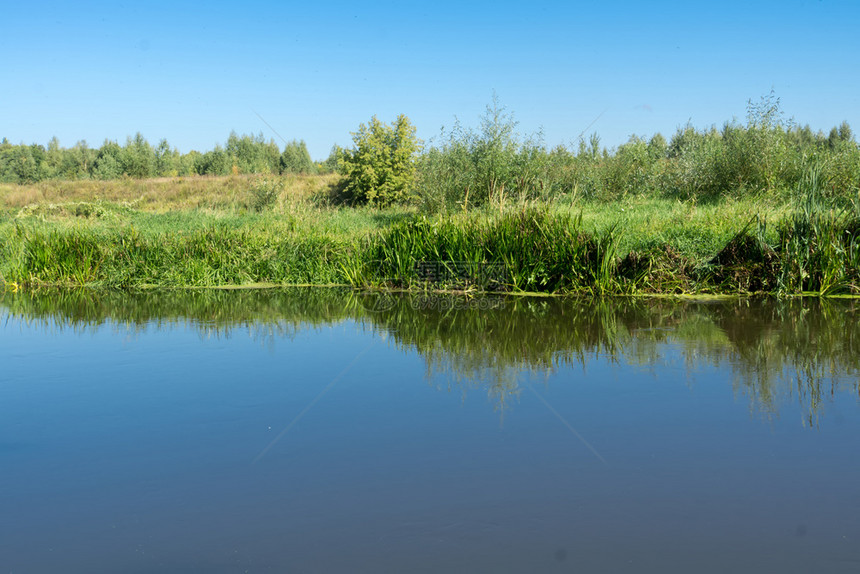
(494, 163)
(245, 154)
(470, 167)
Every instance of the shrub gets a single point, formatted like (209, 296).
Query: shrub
(473, 168)
(264, 192)
(380, 169)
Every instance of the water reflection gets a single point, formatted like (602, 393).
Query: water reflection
(777, 351)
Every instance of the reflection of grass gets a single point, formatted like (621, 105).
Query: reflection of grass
(780, 350)
(776, 350)
(215, 311)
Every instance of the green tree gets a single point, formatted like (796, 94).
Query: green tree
(52, 167)
(657, 147)
(215, 162)
(252, 154)
(330, 164)
(188, 163)
(7, 151)
(167, 159)
(296, 158)
(493, 152)
(380, 169)
(138, 158)
(470, 167)
(108, 162)
(765, 147)
(78, 161)
(20, 164)
(845, 132)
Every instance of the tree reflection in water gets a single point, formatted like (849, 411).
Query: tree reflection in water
(778, 350)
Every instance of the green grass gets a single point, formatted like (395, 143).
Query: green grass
(697, 230)
(77, 236)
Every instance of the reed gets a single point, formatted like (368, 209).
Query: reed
(529, 249)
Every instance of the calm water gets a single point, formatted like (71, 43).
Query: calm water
(320, 431)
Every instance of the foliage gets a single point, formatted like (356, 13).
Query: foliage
(215, 162)
(252, 154)
(108, 163)
(264, 192)
(168, 161)
(138, 158)
(764, 156)
(380, 168)
(296, 158)
(473, 168)
(187, 232)
(331, 162)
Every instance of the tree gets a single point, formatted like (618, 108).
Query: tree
(296, 158)
(215, 162)
(380, 169)
(78, 161)
(846, 134)
(252, 154)
(24, 163)
(657, 147)
(841, 134)
(138, 157)
(167, 160)
(330, 163)
(52, 167)
(108, 162)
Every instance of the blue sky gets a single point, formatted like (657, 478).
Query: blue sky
(316, 70)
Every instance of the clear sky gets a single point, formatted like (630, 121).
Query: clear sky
(192, 72)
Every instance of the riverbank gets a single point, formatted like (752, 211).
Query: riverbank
(209, 232)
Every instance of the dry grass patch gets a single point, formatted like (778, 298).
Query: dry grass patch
(163, 194)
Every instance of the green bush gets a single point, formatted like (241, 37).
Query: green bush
(264, 193)
(380, 169)
(492, 165)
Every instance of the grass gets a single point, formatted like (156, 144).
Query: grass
(159, 194)
(241, 230)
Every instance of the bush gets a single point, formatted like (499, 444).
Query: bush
(264, 192)
(380, 169)
(472, 168)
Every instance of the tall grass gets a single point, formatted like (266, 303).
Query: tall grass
(820, 242)
(212, 256)
(529, 250)
(297, 235)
